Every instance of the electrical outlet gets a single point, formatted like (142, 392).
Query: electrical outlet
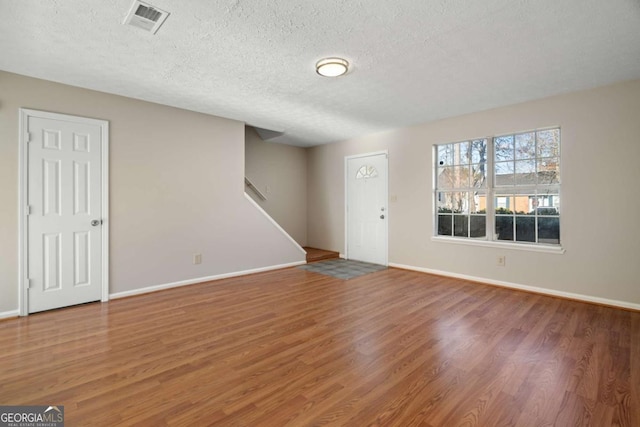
(501, 261)
(197, 258)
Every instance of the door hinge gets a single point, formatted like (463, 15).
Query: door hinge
(28, 283)
(27, 137)
(29, 210)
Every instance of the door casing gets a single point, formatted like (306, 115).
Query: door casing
(23, 208)
(346, 202)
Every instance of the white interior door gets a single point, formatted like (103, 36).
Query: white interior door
(64, 239)
(367, 213)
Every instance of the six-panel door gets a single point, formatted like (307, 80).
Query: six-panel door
(64, 195)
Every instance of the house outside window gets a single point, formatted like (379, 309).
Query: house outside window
(505, 188)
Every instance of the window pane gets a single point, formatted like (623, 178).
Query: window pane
(453, 177)
(462, 177)
(549, 171)
(460, 202)
(504, 227)
(478, 203)
(546, 204)
(479, 151)
(444, 179)
(478, 226)
(509, 204)
(523, 203)
(526, 146)
(549, 143)
(549, 230)
(366, 171)
(478, 176)
(445, 202)
(453, 202)
(525, 172)
(504, 174)
(504, 148)
(503, 204)
(445, 225)
(461, 225)
(445, 155)
(525, 228)
(461, 153)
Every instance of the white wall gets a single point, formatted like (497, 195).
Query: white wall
(280, 172)
(177, 188)
(600, 229)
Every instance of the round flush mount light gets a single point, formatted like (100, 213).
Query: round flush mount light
(332, 67)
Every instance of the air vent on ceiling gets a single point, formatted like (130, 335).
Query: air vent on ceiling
(145, 16)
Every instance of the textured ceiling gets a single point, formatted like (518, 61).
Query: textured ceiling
(253, 60)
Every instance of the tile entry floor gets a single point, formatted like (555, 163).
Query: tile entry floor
(342, 268)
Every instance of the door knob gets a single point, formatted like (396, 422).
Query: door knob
(96, 222)
(381, 216)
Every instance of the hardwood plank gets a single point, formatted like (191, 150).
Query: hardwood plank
(290, 347)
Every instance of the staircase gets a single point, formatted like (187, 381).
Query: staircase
(314, 254)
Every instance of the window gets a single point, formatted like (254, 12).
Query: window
(366, 172)
(462, 189)
(505, 188)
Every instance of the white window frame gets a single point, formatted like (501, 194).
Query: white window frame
(491, 239)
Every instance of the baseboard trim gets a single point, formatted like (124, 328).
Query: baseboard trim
(526, 288)
(9, 314)
(164, 286)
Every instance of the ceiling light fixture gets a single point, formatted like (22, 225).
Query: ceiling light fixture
(332, 67)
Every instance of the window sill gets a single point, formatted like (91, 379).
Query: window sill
(558, 250)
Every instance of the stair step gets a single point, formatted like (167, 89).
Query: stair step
(314, 254)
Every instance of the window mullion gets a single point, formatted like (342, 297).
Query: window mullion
(491, 210)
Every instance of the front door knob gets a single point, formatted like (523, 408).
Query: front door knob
(96, 222)
(381, 216)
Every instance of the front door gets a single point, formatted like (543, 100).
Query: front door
(367, 212)
(64, 213)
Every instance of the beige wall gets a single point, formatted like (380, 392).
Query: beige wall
(600, 165)
(280, 172)
(177, 188)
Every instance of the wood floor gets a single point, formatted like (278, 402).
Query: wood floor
(290, 347)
